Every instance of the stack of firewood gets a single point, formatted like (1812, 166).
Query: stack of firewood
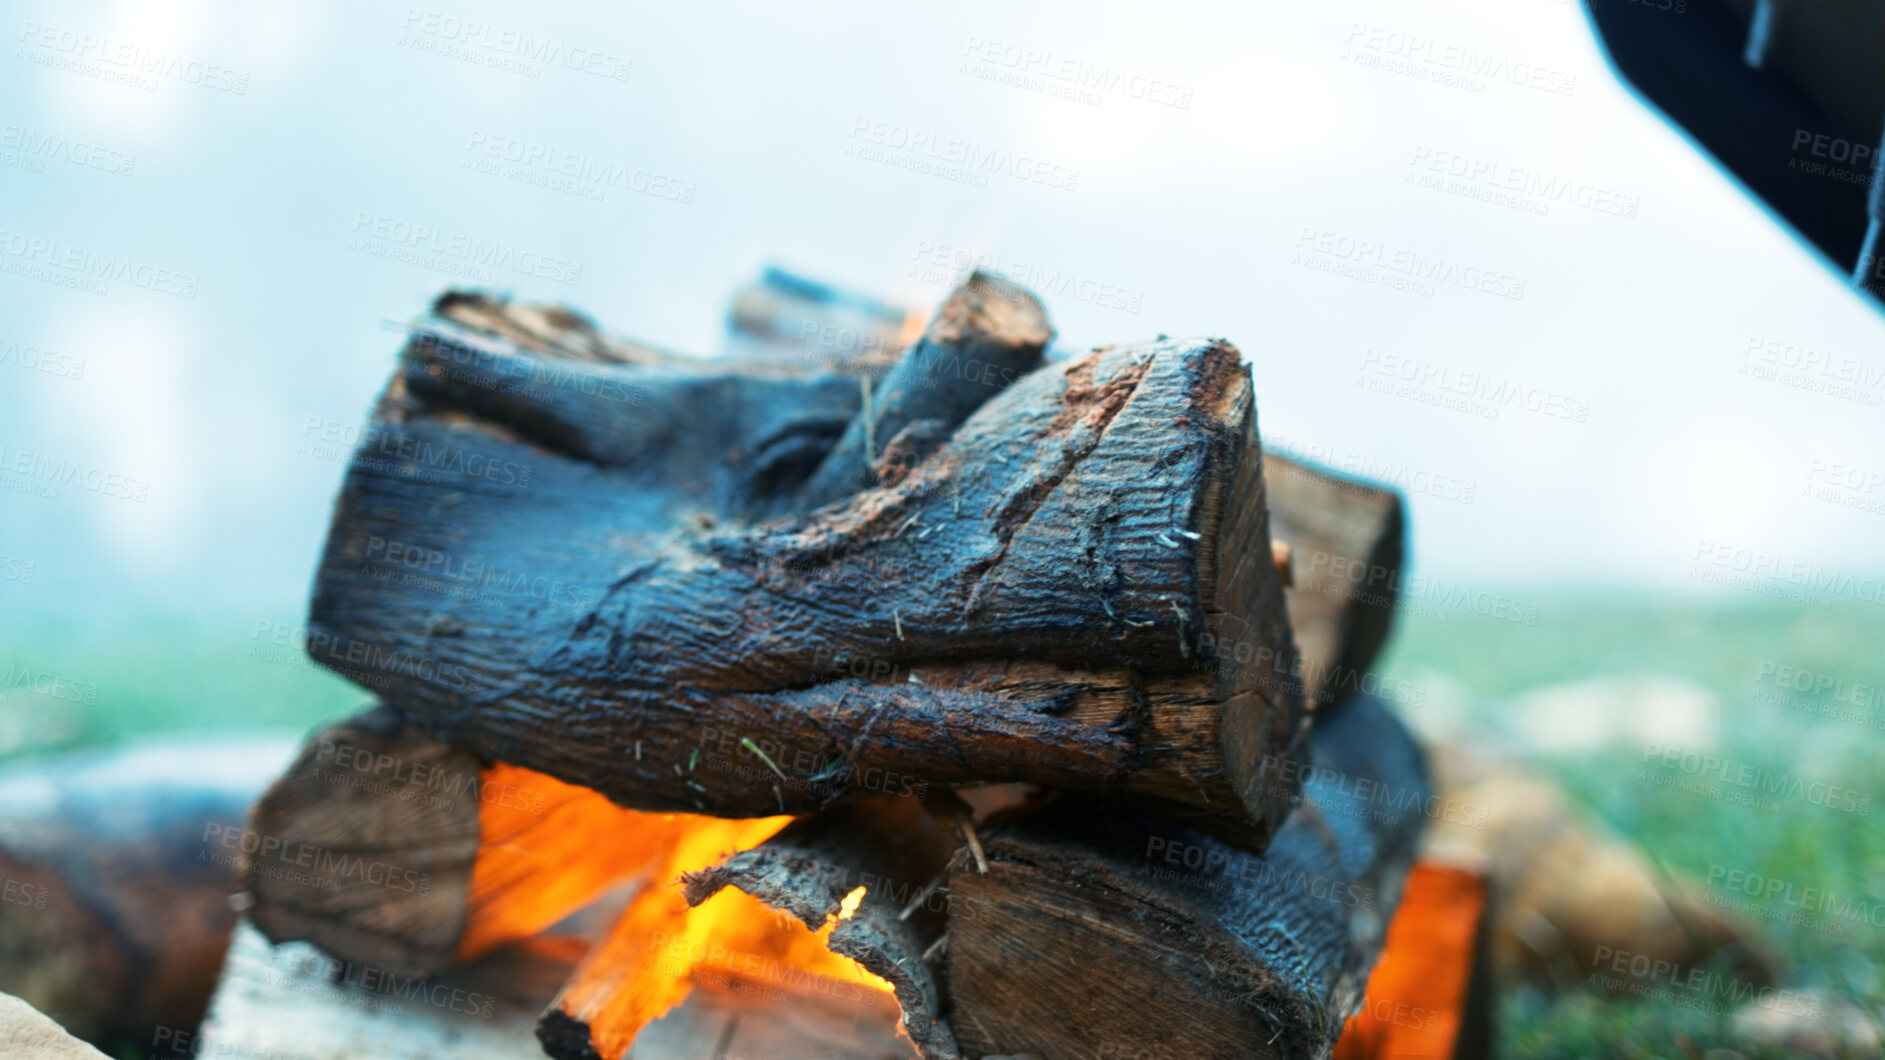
(957, 705)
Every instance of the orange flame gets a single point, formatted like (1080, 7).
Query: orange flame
(661, 948)
(548, 848)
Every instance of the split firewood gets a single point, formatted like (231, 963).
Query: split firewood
(114, 885)
(292, 1002)
(1097, 933)
(804, 911)
(1345, 538)
(386, 847)
(1064, 589)
(1569, 895)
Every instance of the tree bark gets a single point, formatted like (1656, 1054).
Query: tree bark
(1095, 933)
(1065, 590)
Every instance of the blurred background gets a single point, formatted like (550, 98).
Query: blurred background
(1636, 420)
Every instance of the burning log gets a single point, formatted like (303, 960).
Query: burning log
(114, 892)
(1092, 932)
(1055, 591)
(804, 910)
(501, 853)
(1095, 932)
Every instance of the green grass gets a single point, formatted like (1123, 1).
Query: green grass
(1721, 650)
(154, 677)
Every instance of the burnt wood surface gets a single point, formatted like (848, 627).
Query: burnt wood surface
(808, 870)
(553, 564)
(1097, 933)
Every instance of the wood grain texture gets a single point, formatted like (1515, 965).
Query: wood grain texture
(1096, 933)
(1061, 591)
(1346, 538)
(372, 865)
(503, 853)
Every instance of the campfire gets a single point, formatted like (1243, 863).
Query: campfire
(967, 702)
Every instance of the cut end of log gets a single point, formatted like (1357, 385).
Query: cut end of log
(991, 307)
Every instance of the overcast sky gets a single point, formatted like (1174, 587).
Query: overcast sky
(1320, 183)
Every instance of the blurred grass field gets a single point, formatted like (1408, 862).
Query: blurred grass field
(1470, 674)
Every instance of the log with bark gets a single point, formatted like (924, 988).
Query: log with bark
(424, 802)
(115, 879)
(838, 932)
(384, 846)
(1091, 932)
(1345, 544)
(1096, 932)
(1568, 892)
(620, 574)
